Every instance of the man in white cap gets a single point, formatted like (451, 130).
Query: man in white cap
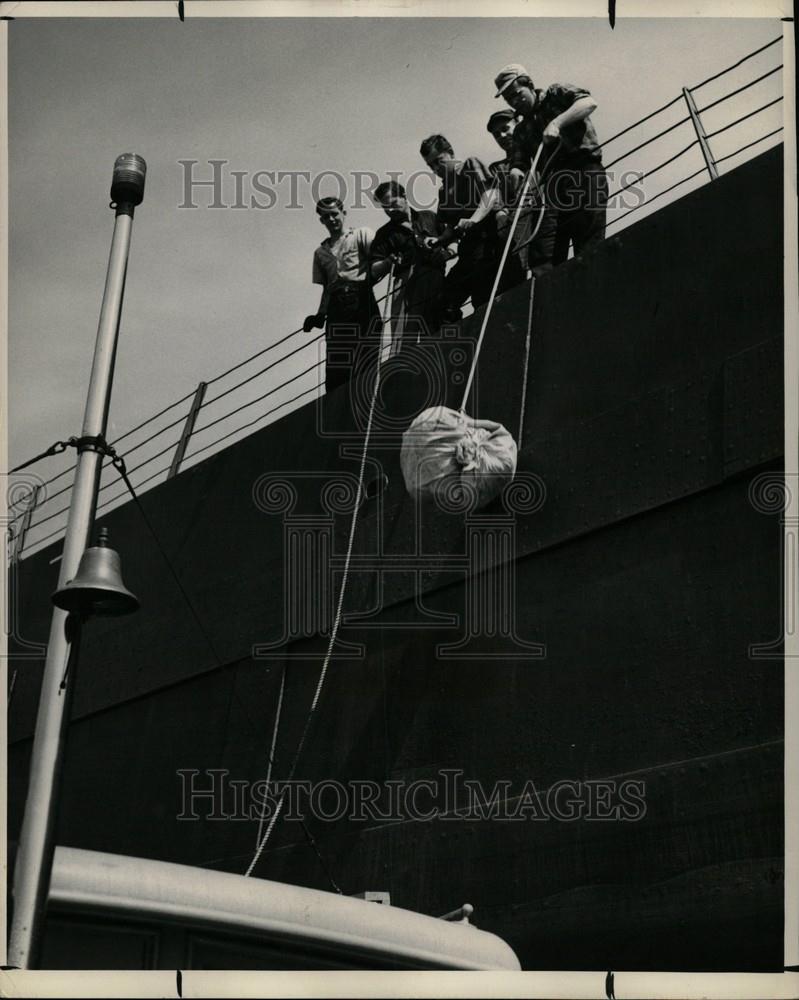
(576, 184)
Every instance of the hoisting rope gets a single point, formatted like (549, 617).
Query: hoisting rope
(531, 176)
(271, 761)
(527, 344)
(339, 608)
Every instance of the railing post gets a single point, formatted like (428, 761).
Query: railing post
(19, 540)
(700, 134)
(188, 427)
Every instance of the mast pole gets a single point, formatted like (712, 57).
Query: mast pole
(35, 855)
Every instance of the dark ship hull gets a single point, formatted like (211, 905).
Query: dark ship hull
(644, 567)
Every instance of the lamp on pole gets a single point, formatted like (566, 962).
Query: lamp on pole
(35, 854)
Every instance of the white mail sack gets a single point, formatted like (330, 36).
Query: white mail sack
(464, 463)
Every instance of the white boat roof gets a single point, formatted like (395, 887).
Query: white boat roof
(139, 888)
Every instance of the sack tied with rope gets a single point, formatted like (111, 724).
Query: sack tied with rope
(462, 461)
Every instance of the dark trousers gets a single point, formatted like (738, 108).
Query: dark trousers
(424, 301)
(534, 238)
(352, 332)
(469, 277)
(474, 273)
(578, 193)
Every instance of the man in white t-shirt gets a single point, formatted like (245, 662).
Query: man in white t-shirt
(347, 308)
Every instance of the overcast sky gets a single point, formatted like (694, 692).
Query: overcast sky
(208, 287)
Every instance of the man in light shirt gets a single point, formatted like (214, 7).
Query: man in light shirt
(347, 309)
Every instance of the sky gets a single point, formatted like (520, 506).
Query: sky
(207, 287)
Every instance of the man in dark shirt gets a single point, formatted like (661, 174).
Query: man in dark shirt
(418, 271)
(467, 203)
(538, 257)
(576, 184)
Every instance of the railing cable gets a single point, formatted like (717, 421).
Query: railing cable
(635, 149)
(744, 117)
(654, 170)
(749, 145)
(739, 63)
(740, 90)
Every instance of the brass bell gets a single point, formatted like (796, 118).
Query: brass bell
(97, 588)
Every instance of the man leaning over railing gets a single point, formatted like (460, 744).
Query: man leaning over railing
(575, 182)
(418, 290)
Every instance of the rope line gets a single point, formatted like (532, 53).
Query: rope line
(258, 399)
(685, 180)
(27, 496)
(321, 860)
(339, 611)
(527, 345)
(531, 176)
(271, 759)
(55, 449)
(739, 63)
(252, 357)
(251, 423)
(641, 121)
(762, 138)
(744, 117)
(654, 170)
(635, 149)
(155, 416)
(262, 371)
(732, 93)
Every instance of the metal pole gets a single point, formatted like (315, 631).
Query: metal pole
(35, 857)
(700, 134)
(19, 541)
(188, 427)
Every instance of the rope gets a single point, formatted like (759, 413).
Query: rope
(641, 121)
(527, 344)
(54, 449)
(654, 170)
(261, 371)
(339, 611)
(155, 416)
(258, 399)
(27, 496)
(732, 93)
(762, 138)
(685, 180)
(271, 761)
(321, 860)
(497, 277)
(744, 117)
(257, 420)
(635, 149)
(739, 63)
(257, 354)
